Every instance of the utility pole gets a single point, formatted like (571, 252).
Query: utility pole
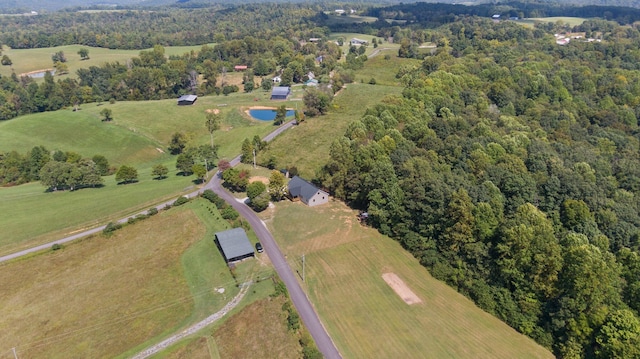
(303, 268)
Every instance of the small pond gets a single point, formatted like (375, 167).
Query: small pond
(40, 74)
(267, 114)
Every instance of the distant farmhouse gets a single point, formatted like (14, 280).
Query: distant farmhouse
(235, 245)
(280, 92)
(306, 192)
(358, 42)
(187, 100)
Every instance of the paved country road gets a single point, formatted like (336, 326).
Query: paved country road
(298, 297)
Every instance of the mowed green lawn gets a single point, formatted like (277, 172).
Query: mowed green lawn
(384, 70)
(103, 296)
(363, 314)
(28, 60)
(571, 21)
(138, 136)
(307, 146)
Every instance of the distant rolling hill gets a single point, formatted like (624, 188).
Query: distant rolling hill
(27, 6)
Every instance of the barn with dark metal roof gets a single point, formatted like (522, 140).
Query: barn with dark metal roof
(280, 92)
(235, 244)
(187, 100)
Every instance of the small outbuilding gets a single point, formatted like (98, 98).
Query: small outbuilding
(234, 244)
(358, 42)
(280, 92)
(306, 192)
(240, 67)
(187, 100)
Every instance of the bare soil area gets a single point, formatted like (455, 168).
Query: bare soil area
(401, 289)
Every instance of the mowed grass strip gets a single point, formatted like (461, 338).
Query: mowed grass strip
(364, 316)
(101, 296)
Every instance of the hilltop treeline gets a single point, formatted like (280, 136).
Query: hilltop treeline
(510, 167)
(425, 13)
(141, 29)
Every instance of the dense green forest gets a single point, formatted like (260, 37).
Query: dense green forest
(140, 29)
(511, 168)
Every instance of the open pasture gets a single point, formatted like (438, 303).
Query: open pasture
(138, 136)
(29, 60)
(88, 292)
(345, 264)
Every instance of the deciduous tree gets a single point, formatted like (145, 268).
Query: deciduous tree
(126, 174)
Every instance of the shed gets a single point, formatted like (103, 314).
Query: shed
(240, 67)
(356, 41)
(187, 100)
(311, 82)
(307, 192)
(235, 244)
(280, 92)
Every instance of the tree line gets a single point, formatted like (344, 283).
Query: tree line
(57, 171)
(510, 167)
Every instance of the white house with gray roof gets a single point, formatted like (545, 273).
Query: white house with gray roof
(306, 192)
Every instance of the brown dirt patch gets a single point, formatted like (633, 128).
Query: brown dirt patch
(401, 289)
(262, 179)
(214, 111)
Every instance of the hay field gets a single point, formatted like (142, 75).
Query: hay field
(101, 296)
(365, 317)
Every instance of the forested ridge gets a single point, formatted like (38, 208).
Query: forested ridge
(142, 28)
(510, 167)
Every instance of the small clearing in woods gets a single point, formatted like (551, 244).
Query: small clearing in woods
(401, 289)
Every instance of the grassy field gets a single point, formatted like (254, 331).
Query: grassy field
(364, 316)
(255, 328)
(28, 60)
(315, 135)
(347, 36)
(137, 136)
(382, 69)
(88, 292)
(571, 21)
(151, 278)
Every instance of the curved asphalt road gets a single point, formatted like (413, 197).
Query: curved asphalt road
(298, 297)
